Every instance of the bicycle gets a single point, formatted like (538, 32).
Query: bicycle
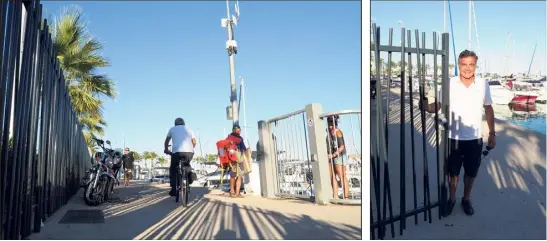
(182, 184)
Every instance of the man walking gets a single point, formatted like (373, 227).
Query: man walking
(468, 96)
(128, 160)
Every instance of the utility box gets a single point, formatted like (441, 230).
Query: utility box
(229, 112)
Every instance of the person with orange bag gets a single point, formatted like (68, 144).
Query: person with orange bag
(238, 169)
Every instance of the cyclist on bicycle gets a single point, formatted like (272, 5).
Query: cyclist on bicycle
(182, 149)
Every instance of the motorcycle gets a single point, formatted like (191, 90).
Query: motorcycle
(100, 179)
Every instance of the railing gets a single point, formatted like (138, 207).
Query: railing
(43, 153)
(294, 157)
(392, 120)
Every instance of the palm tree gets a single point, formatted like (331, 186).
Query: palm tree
(137, 156)
(200, 159)
(162, 160)
(146, 156)
(153, 157)
(212, 157)
(79, 58)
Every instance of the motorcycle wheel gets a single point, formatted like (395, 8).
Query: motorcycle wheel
(108, 190)
(89, 195)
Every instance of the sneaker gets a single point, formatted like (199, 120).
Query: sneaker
(467, 207)
(449, 207)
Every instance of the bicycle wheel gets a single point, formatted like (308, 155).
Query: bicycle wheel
(186, 192)
(177, 188)
(184, 189)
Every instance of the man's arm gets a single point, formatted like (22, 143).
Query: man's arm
(194, 142)
(489, 112)
(166, 144)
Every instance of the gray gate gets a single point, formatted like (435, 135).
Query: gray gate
(397, 123)
(291, 155)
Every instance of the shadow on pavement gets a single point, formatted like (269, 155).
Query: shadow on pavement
(213, 219)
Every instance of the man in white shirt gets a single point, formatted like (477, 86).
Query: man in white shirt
(182, 149)
(468, 96)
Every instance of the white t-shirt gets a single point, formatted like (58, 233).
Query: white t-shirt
(466, 108)
(181, 139)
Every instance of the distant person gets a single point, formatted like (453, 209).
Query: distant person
(238, 169)
(338, 160)
(468, 96)
(182, 150)
(128, 160)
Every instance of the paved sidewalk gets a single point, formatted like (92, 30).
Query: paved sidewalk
(144, 211)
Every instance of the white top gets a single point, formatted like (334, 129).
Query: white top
(466, 108)
(181, 139)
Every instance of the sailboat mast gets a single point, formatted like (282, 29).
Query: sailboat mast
(469, 30)
(532, 60)
(507, 54)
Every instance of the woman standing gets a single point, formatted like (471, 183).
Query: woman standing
(338, 160)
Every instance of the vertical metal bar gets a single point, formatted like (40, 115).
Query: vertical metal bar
(411, 106)
(423, 97)
(15, 167)
(4, 40)
(402, 137)
(388, 94)
(422, 117)
(445, 107)
(379, 113)
(38, 186)
(435, 89)
(307, 152)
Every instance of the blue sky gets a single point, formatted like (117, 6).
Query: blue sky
(169, 60)
(495, 19)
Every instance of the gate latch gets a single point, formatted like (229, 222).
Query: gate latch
(313, 157)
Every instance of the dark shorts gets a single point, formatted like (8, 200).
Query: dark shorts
(176, 158)
(467, 153)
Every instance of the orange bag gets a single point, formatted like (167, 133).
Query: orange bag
(227, 152)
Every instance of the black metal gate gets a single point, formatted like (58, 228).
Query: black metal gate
(393, 129)
(43, 153)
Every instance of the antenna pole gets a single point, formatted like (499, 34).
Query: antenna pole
(231, 46)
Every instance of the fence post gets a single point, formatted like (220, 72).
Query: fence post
(266, 161)
(318, 154)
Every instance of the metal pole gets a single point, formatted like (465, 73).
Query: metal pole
(244, 110)
(232, 50)
(444, 17)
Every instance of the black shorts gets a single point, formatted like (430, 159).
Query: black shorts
(466, 152)
(185, 158)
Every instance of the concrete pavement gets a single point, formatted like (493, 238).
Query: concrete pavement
(144, 211)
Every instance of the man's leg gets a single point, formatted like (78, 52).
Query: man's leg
(454, 165)
(471, 164)
(467, 186)
(175, 158)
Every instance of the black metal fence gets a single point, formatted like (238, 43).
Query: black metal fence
(43, 153)
(391, 124)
